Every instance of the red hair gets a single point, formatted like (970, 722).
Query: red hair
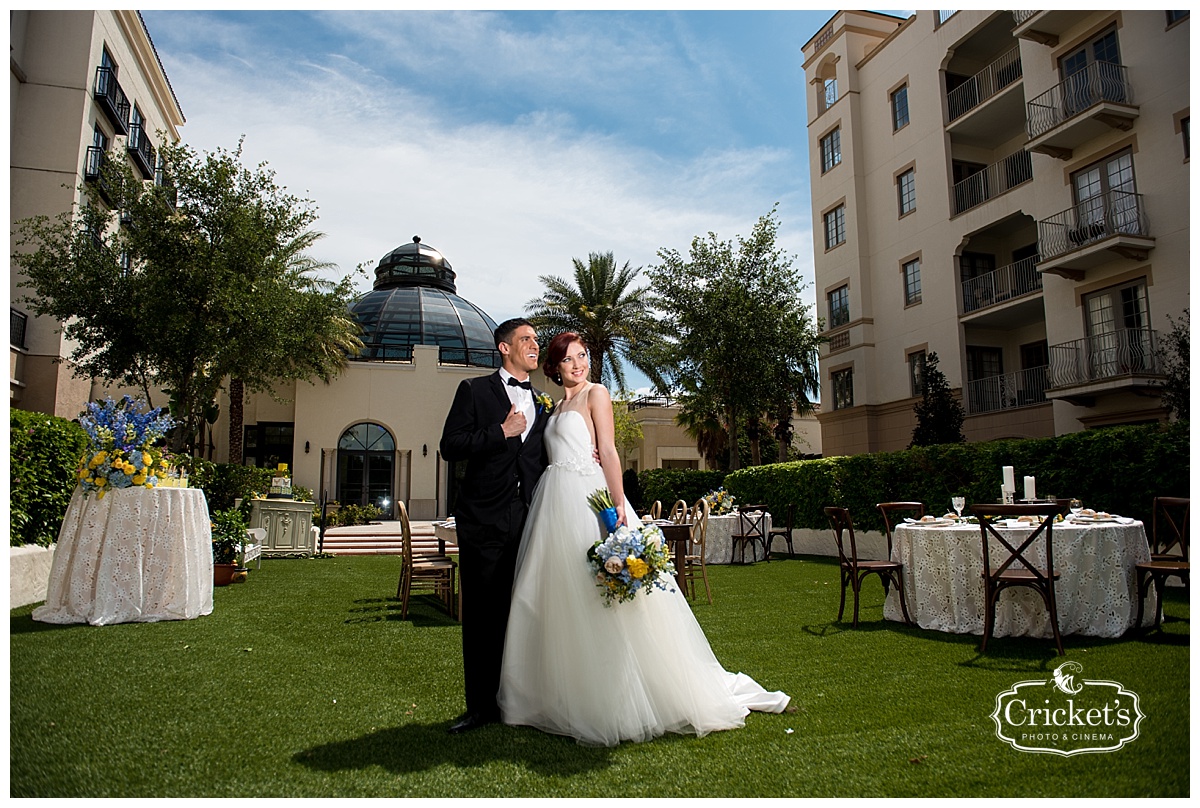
(557, 352)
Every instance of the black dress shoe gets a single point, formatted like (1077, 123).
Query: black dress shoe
(469, 721)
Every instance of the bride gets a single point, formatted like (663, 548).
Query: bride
(572, 665)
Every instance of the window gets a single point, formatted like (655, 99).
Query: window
(1185, 129)
(839, 306)
(835, 227)
(916, 373)
(912, 281)
(1175, 16)
(1092, 73)
(906, 186)
(1105, 195)
(900, 108)
(831, 150)
(983, 363)
(829, 92)
(17, 322)
(843, 388)
(1118, 330)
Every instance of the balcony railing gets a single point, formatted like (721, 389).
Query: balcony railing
(142, 150)
(17, 323)
(1112, 213)
(942, 16)
(1098, 82)
(1024, 388)
(1124, 352)
(472, 357)
(112, 99)
(1006, 283)
(1019, 17)
(984, 84)
(993, 181)
(93, 170)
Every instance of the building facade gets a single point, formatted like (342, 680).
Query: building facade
(84, 86)
(1010, 190)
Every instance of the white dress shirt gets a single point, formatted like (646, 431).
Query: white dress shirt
(522, 399)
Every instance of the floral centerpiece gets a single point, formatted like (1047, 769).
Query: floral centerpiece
(631, 561)
(719, 501)
(122, 453)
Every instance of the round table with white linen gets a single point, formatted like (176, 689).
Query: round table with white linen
(136, 555)
(1096, 593)
(718, 542)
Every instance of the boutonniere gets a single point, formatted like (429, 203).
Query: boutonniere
(544, 401)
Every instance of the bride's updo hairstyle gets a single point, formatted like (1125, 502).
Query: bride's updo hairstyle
(557, 352)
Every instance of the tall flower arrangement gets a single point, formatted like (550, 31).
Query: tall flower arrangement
(719, 501)
(122, 453)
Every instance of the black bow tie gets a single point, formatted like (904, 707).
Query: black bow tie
(512, 382)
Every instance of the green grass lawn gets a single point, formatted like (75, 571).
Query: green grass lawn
(305, 682)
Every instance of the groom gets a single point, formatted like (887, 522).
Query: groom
(496, 426)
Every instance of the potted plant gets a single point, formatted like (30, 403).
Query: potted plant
(228, 538)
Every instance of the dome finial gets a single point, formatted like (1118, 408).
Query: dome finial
(416, 239)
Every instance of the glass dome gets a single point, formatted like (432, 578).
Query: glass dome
(414, 302)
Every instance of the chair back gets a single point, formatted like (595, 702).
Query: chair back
(700, 525)
(679, 512)
(752, 521)
(892, 513)
(1020, 557)
(656, 509)
(1169, 527)
(406, 532)
(843, 531)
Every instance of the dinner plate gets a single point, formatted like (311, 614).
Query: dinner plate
(1089, 520)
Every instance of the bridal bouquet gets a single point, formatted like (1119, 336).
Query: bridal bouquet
(629, 561)
(121, 451)
(601, 502)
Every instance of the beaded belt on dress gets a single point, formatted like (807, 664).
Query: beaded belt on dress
(580, 464)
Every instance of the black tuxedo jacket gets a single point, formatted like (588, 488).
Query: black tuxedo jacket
(498, 469)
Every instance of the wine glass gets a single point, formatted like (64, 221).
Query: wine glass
(958, 503)
(1076, 506)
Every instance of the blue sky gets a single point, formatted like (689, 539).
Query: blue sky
(510, 141)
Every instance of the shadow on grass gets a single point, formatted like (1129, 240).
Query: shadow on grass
(25, 624)
(422, 747)
(424, 611)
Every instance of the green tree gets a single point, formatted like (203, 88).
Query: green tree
(615, 321)
(1174, 353)
(627, 432)
(203, 282)
(731, 313)
(939, 414)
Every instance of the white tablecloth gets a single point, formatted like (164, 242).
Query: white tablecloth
(1096, 593)
(137, 555)
(718, 548)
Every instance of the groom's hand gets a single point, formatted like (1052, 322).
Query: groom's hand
(514, 424)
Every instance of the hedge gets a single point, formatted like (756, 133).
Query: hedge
(1119, 469)
(44, 454)
(669, 485)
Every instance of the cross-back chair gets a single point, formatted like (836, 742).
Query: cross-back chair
(752, 532)
(784, 532)
(1017, 566)
(855, 570)
(1168, 553)
(429, 572)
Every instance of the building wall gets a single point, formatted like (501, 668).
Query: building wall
(52, 73)
(871, 55)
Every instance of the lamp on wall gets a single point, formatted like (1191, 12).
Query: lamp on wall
(424, 450)
(306, 447)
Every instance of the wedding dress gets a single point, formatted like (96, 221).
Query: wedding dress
(604, 674)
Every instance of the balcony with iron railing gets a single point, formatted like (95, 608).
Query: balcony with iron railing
(1089, 103)
(1045, 27)
(983, 85)
(1007, 391)
(93, 171)
(112, 99)
(142, 150)
(1092, 232)
(1001, 285)
(1105, 363)
(458, 357)
(998, 178)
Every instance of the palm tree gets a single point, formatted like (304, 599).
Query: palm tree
(614, 321)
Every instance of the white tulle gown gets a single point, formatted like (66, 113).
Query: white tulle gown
(604, 674)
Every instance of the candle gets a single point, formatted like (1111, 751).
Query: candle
(1009, 481)
(1030, 492)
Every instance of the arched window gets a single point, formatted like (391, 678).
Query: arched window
(367, 467)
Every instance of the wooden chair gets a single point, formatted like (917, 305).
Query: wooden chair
(656, 509)
(428, 571)
(752, 532)
(855, 570)
(785, 532)
(1017, 568)
(693, 560)
(1168, 553)
(679, 512)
